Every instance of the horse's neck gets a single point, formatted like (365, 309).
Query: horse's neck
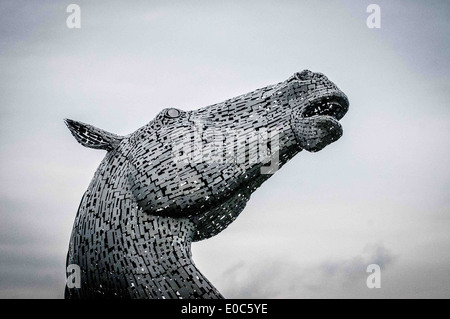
(125, 252)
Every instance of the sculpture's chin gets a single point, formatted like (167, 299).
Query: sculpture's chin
(315, 132)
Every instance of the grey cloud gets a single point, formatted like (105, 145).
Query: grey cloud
(29, 271)
(349, 271)
(287, 279)
(373, 254)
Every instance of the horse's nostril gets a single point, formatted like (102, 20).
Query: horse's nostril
(304, 75)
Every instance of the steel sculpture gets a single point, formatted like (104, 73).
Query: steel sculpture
(184, 177)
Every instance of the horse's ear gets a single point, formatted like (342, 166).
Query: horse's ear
(92, 137)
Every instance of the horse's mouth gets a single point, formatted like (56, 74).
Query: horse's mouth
(317, 125)
(335, 106)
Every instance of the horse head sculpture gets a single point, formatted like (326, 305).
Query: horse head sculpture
(184, 177)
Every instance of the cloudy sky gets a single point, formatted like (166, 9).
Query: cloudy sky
(378, 195)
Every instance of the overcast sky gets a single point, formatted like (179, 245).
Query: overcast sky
(378, 195)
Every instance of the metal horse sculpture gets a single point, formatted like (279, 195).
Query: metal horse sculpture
(175, 181)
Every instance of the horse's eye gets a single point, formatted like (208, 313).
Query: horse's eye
(172, 113)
